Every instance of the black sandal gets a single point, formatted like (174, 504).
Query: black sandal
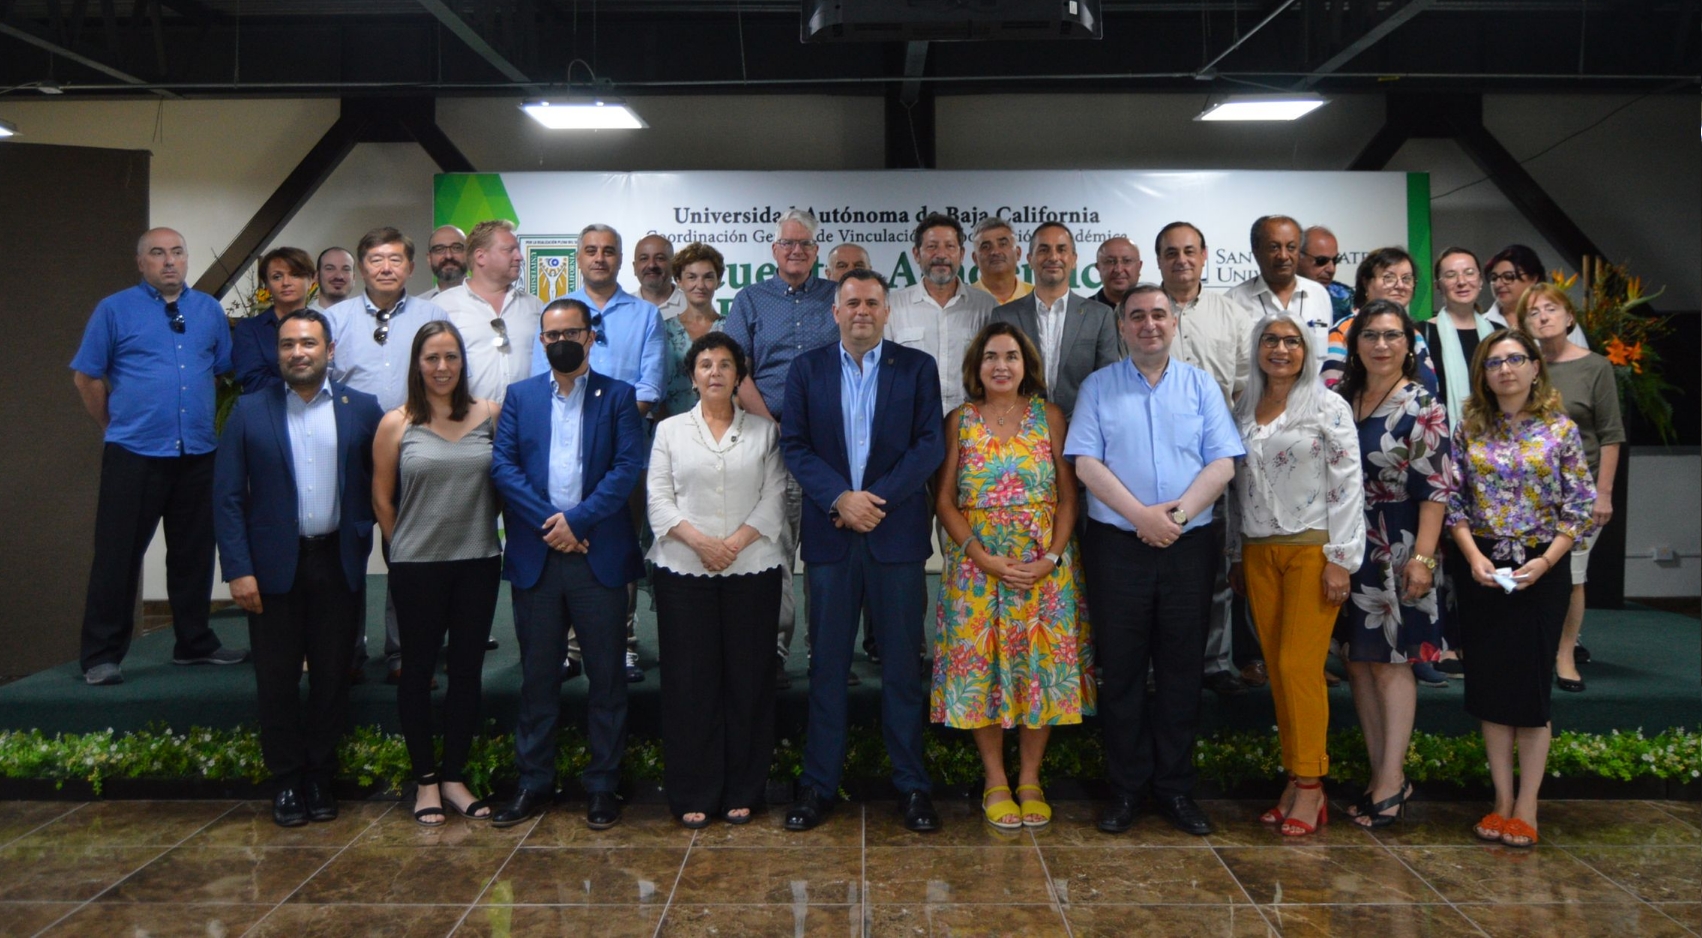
(470, 812)
(1373, 814)
(696, 825)
(420, 814)
(732, 818)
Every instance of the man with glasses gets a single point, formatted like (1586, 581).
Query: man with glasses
(1155, 446)
(775, 321)
(629, 344)
(496, 317)
(147, 372)
(374, 337)
(570, 448)
(446, 252)
(1319, 255)
(1279, 288)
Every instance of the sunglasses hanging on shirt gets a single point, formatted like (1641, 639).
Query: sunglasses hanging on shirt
(382, 333)
(177, 323)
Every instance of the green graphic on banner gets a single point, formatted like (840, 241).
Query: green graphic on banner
(465, 199)
(1418, 244)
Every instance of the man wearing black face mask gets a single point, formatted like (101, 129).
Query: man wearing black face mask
(570, 446)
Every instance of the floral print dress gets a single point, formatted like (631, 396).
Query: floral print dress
(1405, 452)
(1005, 657)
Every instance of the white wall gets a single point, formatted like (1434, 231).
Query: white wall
(1662, 514)
(1634, 184)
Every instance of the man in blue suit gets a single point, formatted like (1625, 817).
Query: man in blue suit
(292, 509)
(569, 449)
(865, 534)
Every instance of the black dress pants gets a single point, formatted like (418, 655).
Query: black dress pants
(314, 620)
(457, 598)
(136, 492)
(1151, 606)
(717, 640)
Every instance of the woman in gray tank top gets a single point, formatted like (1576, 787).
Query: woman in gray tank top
(433, 497)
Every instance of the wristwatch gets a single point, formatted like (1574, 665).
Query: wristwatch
(1057, 559)
(1429, 562)
(1179, 515)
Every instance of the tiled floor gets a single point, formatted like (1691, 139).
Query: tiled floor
(1621, 868)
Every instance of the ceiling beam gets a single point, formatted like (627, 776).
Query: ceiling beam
(30, 35)
(467, 34)
(1388, 24)
(915, 59)
(1206, 69)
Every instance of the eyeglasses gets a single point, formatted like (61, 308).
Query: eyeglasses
(572, 334)
(1509, 277)
(382, 333)
(177, 323)
(1390, 281)
(1452, 275)
(1290, 342)
(1324, 260)
(501, 340)
(1511, 361)
(787, 244)
(438, 250)
(1391, 337)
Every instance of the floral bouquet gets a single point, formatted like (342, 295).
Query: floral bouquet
(1611, 319)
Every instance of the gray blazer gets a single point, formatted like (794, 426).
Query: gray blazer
(1088, 344)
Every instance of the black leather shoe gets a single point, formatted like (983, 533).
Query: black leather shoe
(919, 813)
(571, 669)
(1119, 815)
(1225, 684)
(525, 806)
(492, 644)
(320, 805)
(1570, 686)
(604, 811)
(1184, 814)
(809, 810)
(287, 809)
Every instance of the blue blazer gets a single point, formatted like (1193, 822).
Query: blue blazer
(254, 492)
(907, 449)
(613, 449)
(254, 352)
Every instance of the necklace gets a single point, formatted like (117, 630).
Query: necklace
(1007, 413)
(1381, 401)
(699, 426)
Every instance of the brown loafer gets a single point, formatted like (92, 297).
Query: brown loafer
(1255, 675)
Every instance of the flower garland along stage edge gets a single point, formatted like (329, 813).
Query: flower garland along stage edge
(372, 758)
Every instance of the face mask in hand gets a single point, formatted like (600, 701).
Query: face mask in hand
(565, 356)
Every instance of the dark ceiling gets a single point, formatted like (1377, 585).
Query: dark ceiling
(224, 48)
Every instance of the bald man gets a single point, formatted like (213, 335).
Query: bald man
(1118, 263)
(653, 265)
(446, 252)
(147, 372)
(844, 259)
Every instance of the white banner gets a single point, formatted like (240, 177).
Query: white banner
(735, 212)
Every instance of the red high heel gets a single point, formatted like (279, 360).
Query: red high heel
(1274, 815)
(1293, 828)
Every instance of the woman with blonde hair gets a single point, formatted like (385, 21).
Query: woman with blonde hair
(1524, 497)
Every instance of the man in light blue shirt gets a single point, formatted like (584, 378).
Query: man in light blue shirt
(1155, 446)
(374, 332)
(374, 337)
(630, 342)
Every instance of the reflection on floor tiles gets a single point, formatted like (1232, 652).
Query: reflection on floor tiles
(220, 868)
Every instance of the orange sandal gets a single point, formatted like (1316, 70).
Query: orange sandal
(1516, 833)
(1490, 827)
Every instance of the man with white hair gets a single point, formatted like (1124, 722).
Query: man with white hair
(775, 321)
(998, 259)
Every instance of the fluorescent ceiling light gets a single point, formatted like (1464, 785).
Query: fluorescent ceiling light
(1262, 107)
(7, 128)
(584, 115)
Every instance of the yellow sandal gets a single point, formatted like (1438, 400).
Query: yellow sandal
(1001, 809)
(1037, 806)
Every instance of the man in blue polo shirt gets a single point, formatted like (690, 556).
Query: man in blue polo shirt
(147, 372)
(775, 321)
(1155, 445)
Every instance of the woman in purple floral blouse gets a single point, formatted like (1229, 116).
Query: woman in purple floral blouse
(1525, 495)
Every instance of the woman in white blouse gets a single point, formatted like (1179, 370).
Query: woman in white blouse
(717, 504)
(1297, 533)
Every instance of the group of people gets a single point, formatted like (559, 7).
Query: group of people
(1146, 454)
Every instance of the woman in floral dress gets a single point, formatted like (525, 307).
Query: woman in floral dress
(1392, 618)
(1012, 647)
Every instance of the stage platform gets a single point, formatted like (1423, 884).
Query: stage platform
(1645, 674)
